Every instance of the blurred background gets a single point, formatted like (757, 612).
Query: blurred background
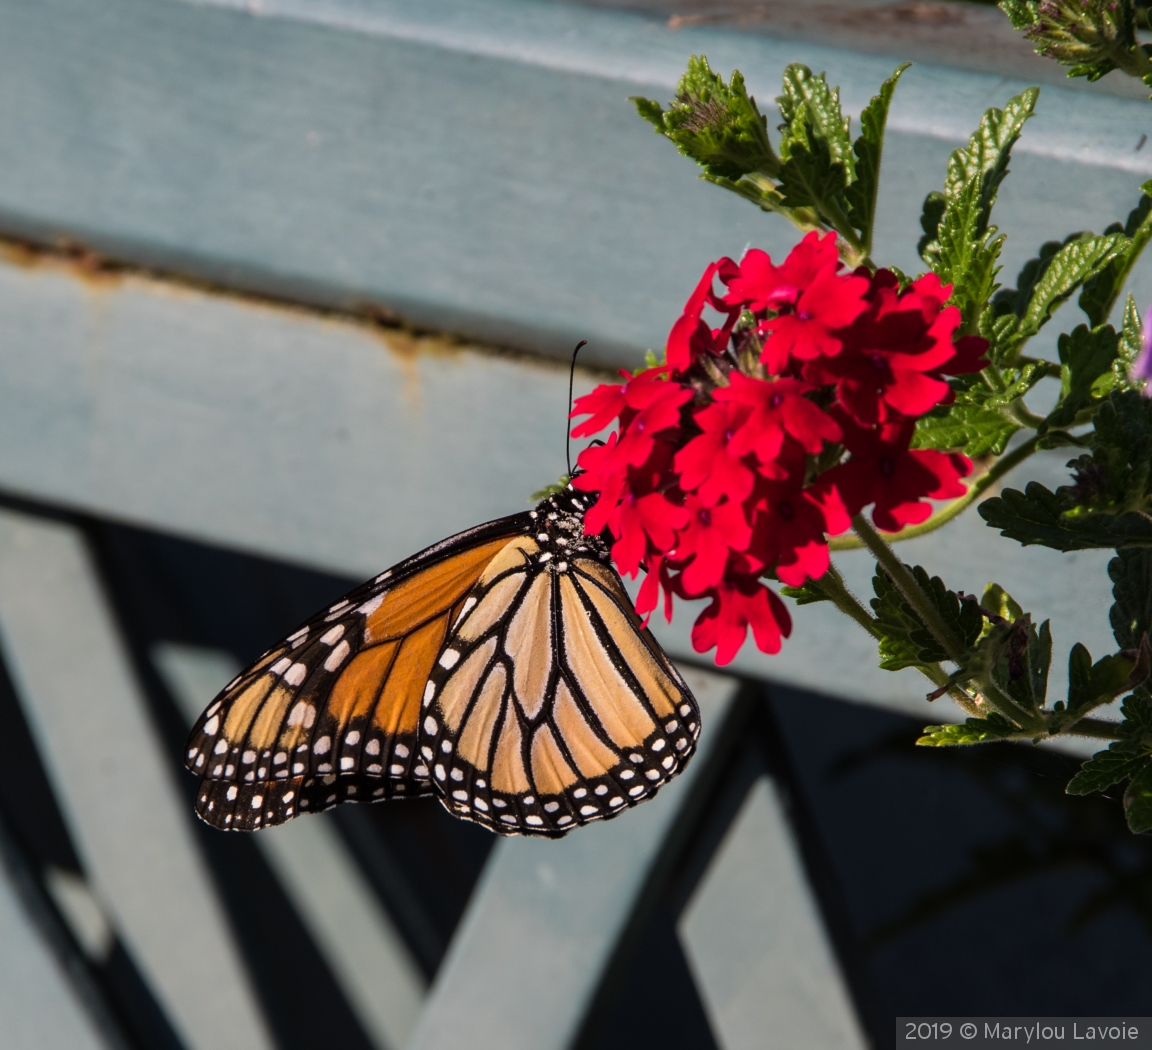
(286, 292)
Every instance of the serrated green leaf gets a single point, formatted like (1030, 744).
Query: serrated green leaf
(1138, 800)
(868, 148)
(960, 244)
(717, 125)
(1131, 613)
(974, 429)
(1085, 356)
(967, 251)
(1069, 268)
(931, 216)
(905, 641)
(1092, 684)
(1017, 299)
(1102, 290)
(1019, 13)
(1137, 712)
(971, 731)
(1037, 516)
(809, 178)
(808, 91)
(1105, 768)
(989, 147)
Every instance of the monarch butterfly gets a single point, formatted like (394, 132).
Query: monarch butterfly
(503, 669)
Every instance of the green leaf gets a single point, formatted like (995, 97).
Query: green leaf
(1092, 684)
(1101, 291)
(718, 125)
(905, 641)
(974, 429)
(959, 243)
(868, 148)
(1120, 762)
(1019, 13)
(550, 490)
(1037, 515)
(1138, 800)
(807, 594)
(1069, 268)
(967, 251)
(930, 218)
(988, 150)
(1000, 603)
(1085, 356)
(808, 100)
(971, 731)
(809, 178)
(1109, 502)
(1131, 613)
(980, 419)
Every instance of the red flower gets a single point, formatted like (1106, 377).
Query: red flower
(737, 604)
(601, 471)
(707, 538)
(657, 576)
(707, 465)
(789, 527)
(884, 471)
(604, 404)
(642, 523)
(759, 285)
(691, 336)
(653, 405)
(778, 410)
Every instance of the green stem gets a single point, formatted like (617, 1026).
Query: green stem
(906, 584)
(998, 469)
(1097, 728)
(833, 585)
(837, 592)
(1006, 706)
(843, 227)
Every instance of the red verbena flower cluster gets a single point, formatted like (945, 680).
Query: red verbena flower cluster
(760, 438)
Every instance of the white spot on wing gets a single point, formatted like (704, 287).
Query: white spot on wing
(322, 746)
(212, 725)
(347, 762)
(337, 656)
(296, 674)
(332, 635)
(302, 714)
(449, 658)
(430, 726)
(232, 792)
(370, 606)
(280, 666)
(353, 738)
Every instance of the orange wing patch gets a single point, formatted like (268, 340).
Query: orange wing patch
(333, 711)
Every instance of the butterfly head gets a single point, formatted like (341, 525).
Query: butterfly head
(557, 524)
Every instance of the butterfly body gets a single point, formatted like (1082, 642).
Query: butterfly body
(502, 669)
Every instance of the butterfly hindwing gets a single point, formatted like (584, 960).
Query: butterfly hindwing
(331, 713)
(550, 705)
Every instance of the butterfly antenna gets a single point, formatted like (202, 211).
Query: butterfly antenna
(567, 426)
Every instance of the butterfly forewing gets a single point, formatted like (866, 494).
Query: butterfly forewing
(331, 713)
(550, 705)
